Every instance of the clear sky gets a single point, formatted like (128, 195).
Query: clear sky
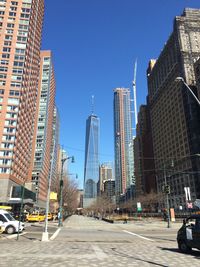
(94, 45)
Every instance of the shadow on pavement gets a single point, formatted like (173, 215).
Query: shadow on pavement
(135, 258)
(194, 253)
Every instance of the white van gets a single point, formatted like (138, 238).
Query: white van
(9, 223)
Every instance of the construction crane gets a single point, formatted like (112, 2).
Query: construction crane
(134, 94)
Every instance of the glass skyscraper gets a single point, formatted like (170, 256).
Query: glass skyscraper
(91, 167)
(123, 139)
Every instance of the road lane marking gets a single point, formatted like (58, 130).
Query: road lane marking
(55, 234)
(140, 236)
(99, 252)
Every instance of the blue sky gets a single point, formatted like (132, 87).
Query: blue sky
(94, 45)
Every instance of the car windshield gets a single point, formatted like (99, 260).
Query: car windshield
(9, 217)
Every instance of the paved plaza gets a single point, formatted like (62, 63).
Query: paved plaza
(84, 241)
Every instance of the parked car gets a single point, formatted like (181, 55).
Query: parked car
(9, 223)
(36, 217)
(188, 235)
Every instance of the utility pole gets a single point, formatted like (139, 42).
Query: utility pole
(45, 234)
(167, 192)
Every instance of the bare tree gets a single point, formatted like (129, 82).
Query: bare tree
(70, 195)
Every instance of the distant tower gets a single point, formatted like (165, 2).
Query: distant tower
(91, 166)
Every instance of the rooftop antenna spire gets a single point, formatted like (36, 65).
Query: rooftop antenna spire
(134, 93)
(92, 105)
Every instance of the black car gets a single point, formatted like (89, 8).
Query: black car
(188, 235)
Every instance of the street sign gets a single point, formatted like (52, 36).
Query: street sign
(189, 205)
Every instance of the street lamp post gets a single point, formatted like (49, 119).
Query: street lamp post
(167, 198)
(180, 79)
(60, 218)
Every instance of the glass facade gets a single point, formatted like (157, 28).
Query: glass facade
(91, 168)
(124, 167)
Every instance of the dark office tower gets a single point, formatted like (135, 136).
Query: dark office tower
(144, 158)
(20, 39)
(91, 166)
(123, 141)
(174, 112)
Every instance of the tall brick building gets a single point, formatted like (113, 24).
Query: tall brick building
(20, 39)
(175, 115)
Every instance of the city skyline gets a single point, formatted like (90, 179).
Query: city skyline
(97, 47)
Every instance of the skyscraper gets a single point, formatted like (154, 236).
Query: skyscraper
(91, 166)
(44, 131)
(174, 112)
(123, 141)
(20, 39)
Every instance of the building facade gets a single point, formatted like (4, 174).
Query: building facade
(20, 40)
(123, 141)
(144, 158)
(174, 112)
(43, 142)
(105, 174)
(91, 166)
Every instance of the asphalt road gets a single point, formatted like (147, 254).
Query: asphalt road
(84, 241)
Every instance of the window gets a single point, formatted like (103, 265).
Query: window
(1, 91)
(3, 76)
(2, 83)
(14, 84)
(4, 170)
(19, 57)
(17, 71)
(21, 39)
(23, 27)
(26, 16)
(4, 62)
(8, 37)
(13, 101)
(14, 93)
(10, 25)
(9, 130)
(4, 69)
(11, 115)
(18, 64)
(2, 218)
(16, 78)
(12, 108)
(19, 51)
(5, 56)
(8, 43)
(14, 3)
(6, 49)
(12, 14)
(9, 31)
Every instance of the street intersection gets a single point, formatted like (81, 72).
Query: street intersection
(84, 241)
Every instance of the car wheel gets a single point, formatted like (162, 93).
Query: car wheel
(183, 247)
(10, 230)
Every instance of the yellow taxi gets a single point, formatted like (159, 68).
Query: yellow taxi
(50, 216)
(36, 217)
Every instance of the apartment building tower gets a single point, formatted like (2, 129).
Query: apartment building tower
(123, 141)
(43, 137)
(20, 40)
(174, 112)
